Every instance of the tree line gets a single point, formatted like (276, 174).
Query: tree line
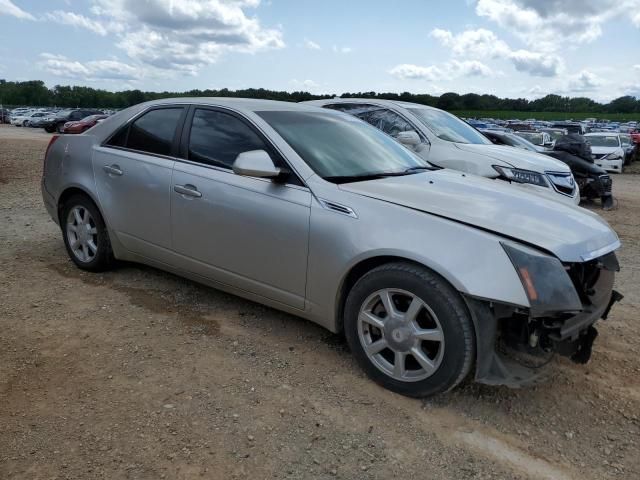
(36, 93)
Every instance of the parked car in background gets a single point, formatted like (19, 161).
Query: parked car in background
(571, 127)
(446, 141)
(607, 151)
(35, 119)
(57, 124)
(628, 147)
(555, 133)
(5, 115)
(41, 120)
(594, 181)
(83, 125)
(512, 140)
(542, 139)
(19, 119)
(325, 217)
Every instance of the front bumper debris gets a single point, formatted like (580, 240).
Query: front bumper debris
(513, 345)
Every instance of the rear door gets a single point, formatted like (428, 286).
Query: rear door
(133, 176)
(251, 233)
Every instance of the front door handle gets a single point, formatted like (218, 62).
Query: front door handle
(113, 170)
(188, 190)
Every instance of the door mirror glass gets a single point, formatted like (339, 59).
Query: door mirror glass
(256, 163)
(409, 138)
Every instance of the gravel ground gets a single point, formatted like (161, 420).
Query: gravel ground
(139, 374)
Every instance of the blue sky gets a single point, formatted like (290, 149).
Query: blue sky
(511, 48)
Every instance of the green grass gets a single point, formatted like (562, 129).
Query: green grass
(506, 115)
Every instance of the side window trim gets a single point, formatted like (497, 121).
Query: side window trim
(176, 137)
(183, 150)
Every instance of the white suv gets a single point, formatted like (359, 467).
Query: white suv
(446, 141)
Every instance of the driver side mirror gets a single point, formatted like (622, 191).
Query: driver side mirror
(410, 138)
(255, 163)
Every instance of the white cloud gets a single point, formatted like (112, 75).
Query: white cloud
(482, 43)
(61, 66)
(338, 49)
(80, 21)
(552, 24)
(585, 81)
(177, 35)
(308, 85)
(413, 72)
(7, 7)
(310, 44)
(452, 69)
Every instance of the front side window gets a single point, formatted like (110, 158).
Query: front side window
(449, 127)
(217, 138)
(341, 148)
(153, 132)
(382, 118)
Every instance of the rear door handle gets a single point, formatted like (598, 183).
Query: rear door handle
(113, 170)
(189, 190)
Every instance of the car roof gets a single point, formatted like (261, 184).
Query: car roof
(374, 101)
(247, 104)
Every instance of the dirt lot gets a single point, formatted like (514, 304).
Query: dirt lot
(140, 374)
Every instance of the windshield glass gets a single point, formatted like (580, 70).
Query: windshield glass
(522, 143)
(448, 127)
(339, 145)
(535, 138)
(603, 141)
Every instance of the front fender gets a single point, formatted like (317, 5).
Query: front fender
(471, 260)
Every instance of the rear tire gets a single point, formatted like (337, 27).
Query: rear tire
(85, 235)
(426, 346)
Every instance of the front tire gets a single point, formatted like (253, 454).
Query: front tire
(409, 330)
(85, 234)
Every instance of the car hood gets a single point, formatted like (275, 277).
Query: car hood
(600, 150)
(571, 233)
(517, 158)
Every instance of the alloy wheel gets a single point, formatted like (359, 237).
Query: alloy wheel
(401, 335)
(82, 234)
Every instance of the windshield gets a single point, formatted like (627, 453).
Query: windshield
(522, 143)
(603, 141)
(448, 127)
(535, 138)
(338, 145)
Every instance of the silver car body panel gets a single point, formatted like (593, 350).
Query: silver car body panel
(292, 247)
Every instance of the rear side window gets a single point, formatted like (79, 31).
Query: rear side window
(217, 138)
(153, 132)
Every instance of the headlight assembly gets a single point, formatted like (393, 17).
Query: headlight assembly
(521, 176)
(613, 156)
(545, 281)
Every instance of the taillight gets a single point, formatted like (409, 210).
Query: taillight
(46, 153)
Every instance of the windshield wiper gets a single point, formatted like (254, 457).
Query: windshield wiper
(376, 175)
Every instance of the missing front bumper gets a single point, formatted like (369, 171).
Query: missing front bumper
(495, 366)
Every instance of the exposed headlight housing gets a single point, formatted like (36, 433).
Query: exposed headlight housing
(519, 175)
(544, 279)
(613, 156)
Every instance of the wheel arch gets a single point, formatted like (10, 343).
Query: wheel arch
(365, 265)
(70, 191)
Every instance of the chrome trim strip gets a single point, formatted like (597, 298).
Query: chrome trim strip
(601, 251)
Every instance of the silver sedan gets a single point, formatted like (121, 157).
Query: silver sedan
(429, 273)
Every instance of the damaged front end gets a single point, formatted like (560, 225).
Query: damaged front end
(514, 343)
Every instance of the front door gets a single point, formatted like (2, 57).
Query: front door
(247, 232)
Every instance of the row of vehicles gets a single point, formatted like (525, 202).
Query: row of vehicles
(55, 120)
(438, 254)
